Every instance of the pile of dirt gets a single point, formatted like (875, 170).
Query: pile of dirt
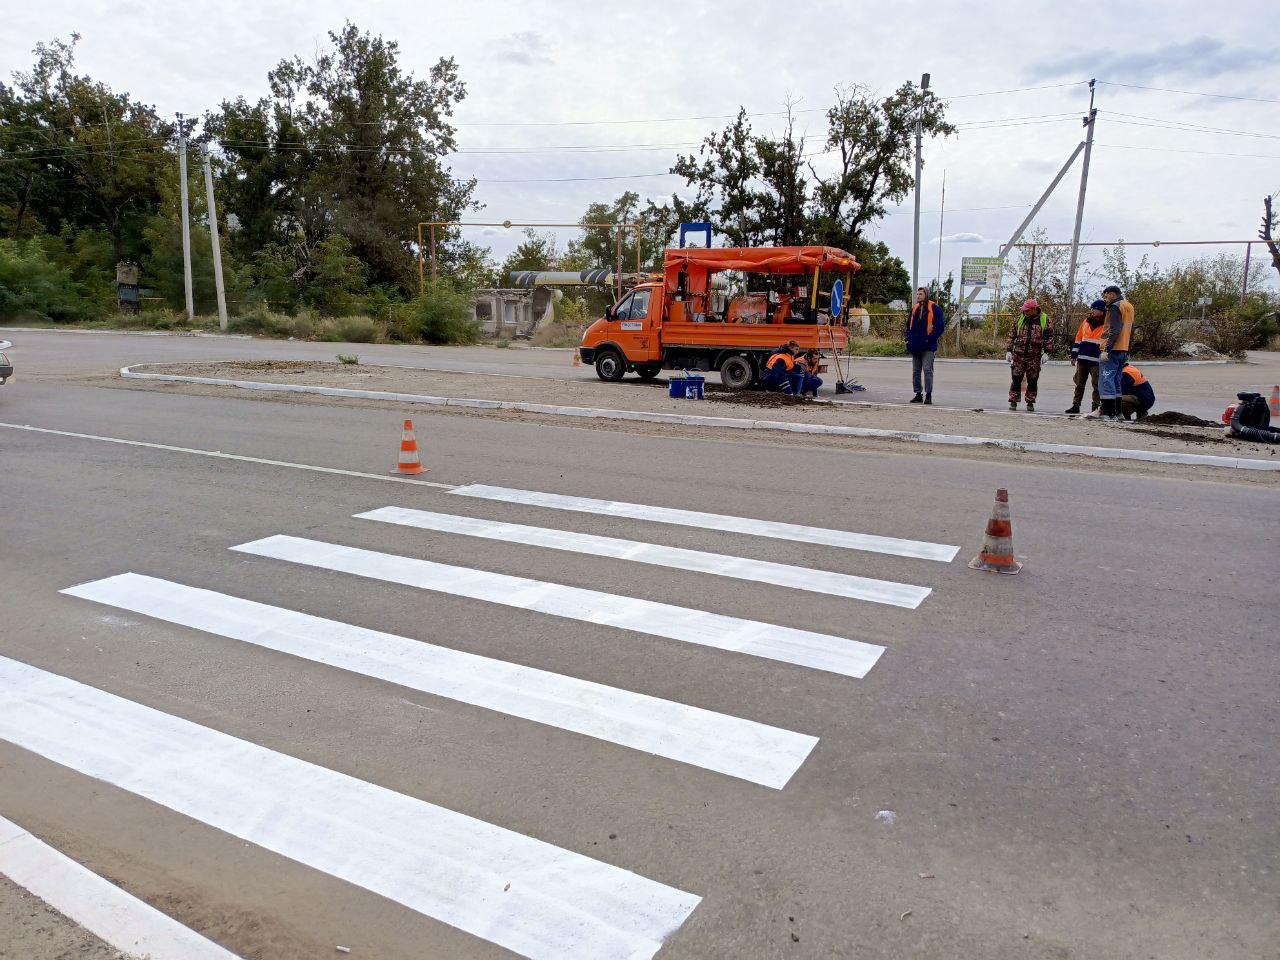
(1172, 418)
(754, 398)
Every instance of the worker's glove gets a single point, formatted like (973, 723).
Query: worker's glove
(1008, 357)
(1106, 356)
(1073, 361)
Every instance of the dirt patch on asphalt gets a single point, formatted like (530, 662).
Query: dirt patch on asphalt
(1172, 418)
(756, 398)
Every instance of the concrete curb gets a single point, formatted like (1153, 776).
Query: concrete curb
(1103, 453)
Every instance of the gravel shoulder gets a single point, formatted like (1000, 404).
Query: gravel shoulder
(30, 929)
(652, 397)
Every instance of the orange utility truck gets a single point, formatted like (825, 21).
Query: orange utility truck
(685, 322)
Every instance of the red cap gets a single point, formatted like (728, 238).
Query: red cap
(1031, 304)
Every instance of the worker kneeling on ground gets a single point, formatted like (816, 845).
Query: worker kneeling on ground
(779, 368)
(1086, 353)
(1136, 393)
(805, 379)
(1025, 351)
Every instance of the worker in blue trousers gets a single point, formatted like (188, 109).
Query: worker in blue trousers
(779, 369)
(804, 378)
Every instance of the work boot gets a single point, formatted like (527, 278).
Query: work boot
(1074, 408)
(928, 398)
(1031, 406)
(918, 398)
(1140, 415)
(1013, 404)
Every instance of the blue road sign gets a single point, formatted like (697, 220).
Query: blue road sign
(837, 298)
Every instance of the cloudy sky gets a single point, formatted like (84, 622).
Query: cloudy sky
(543, 74)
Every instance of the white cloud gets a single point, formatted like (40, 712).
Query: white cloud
(526, 48)
(962, 238)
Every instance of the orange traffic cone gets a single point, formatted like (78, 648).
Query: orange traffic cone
(409, 462)
(577, 357)
(1274, 405)
(996, 555)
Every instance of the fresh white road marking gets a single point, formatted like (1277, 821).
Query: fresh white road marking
(852, 658)
(823, 536)
(715, 741)
(740, 568)
(220, 455)
(533, 898)
(111, 914)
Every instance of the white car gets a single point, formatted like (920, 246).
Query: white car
(6, 366)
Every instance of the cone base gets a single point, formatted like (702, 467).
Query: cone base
(977, 563)
(412, 470)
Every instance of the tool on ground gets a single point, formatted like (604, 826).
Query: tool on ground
(1252, 419)
(1228, 413)
(689, 387)
(409, 461)
(996, 555)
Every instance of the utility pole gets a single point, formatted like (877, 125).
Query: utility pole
(1089, 123)
(915, 253)
(942, 214)
(186, 217)
(213, 236)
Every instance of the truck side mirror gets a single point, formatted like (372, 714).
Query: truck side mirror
(608, 313)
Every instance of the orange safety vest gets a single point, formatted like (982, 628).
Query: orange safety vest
(1135, 374)
(928, 308)
(1121, 344)
(787, 360)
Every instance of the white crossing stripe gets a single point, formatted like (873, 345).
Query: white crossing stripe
(823, 536)
(533, 898)
(108, 912)
(852, 658)
(715, 741)
(740, 568)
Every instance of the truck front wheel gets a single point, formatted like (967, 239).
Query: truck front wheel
(610, 366)
(737, 373)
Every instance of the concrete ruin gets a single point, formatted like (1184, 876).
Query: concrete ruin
(506, 313)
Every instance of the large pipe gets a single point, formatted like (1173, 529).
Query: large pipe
(598, 277)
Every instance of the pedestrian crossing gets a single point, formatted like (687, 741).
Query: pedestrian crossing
(524, 894)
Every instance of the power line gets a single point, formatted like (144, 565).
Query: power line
(1160, 123)
(1204, 153)
(993, 93)
(1190, 93)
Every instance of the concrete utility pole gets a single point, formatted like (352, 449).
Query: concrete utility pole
(1090, 123)
(213, 236)
(942, 214)
(915, 254)
(186, 217)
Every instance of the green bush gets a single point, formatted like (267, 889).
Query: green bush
(32, 286)
(347, 330)
(440, 314)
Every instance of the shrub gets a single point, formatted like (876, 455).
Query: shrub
(349, 359)
(34, 287)
(349, 330)
(440, 314)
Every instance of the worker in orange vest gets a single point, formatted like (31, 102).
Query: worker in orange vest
(1115, 350)
(925, 326)
(1086, 353)
(1138, 396)
(778, 369)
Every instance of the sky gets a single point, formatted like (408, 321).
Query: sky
(543, 75)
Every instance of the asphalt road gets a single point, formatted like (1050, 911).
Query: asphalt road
(1199, 389)
(1077, 762)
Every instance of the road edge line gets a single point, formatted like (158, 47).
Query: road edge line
(598, 413)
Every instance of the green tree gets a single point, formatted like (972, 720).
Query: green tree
(874, 141)
(74, 153)
(538, 251)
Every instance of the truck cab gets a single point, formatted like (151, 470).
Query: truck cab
(627, 338)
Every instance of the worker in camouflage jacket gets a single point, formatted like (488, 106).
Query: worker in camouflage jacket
(1029, 341)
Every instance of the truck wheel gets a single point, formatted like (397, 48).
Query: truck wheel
(737, 373)
(610, 366)
(647, 371)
